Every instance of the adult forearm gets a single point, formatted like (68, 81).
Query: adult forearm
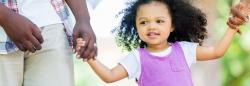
(79, 9)
(4, 12)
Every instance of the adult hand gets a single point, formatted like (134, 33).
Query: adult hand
(239, 16)
(84, 30)
(25, 34)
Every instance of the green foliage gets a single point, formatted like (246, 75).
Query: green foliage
(84, 76)
(236, 62)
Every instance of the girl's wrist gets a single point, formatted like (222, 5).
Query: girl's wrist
(91, 60)
(234, 31)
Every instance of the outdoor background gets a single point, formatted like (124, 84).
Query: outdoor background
(231, 70)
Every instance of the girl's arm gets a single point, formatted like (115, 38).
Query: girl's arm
(207, 53)
(106, 74)
(217, 51)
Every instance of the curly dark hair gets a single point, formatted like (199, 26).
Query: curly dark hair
(189, 24)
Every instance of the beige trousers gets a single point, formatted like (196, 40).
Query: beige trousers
(50, 66)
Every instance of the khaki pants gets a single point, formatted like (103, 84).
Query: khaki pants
(50, 66)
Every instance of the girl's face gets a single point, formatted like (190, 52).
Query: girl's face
(154, 23)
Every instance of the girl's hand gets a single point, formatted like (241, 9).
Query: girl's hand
(79, 44)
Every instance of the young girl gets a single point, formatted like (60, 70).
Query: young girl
(164, 37)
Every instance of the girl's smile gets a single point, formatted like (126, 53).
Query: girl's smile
(153, 34)
(154, 24)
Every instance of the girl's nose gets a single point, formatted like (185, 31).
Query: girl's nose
(152, 26)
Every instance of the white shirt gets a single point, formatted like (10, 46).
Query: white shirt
(132, 61)
(40, 12)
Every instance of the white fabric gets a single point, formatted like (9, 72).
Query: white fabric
(40, 12)
(132, 61)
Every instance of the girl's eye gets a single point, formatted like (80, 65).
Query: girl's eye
(160, 21)
(143, 22)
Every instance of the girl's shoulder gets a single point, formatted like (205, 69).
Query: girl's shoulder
(189, 50)
(134, 54)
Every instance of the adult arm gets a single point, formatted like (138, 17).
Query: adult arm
(83, 28)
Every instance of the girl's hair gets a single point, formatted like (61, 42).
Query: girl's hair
(189, 24)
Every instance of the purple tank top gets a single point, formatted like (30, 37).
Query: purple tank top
(170, 70)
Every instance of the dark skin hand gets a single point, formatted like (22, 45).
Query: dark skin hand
(25, 34)
(83, 29)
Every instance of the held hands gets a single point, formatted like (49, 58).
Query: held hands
(25, 34)
(239, 16)
(80, 44)
(84, 31)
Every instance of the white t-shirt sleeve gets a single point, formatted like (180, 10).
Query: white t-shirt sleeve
(189, 49)
(131, 64)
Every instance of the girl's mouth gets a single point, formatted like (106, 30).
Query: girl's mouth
(153, 34)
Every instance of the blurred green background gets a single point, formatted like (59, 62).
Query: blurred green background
(236, 62)
(235, 65)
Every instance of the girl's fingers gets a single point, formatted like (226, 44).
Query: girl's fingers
(80, 44)
(232, 25)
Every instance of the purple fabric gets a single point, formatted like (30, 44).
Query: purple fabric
(170, 70)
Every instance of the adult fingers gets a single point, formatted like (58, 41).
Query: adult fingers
(237, 13)
(240, 21)
(90, 48)
(35, 43)
(86, 38)
(88, 53)
(20, 47)
(38, 34)
(93, 54)
(29, 46)
(236, 21)
(232, 26)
